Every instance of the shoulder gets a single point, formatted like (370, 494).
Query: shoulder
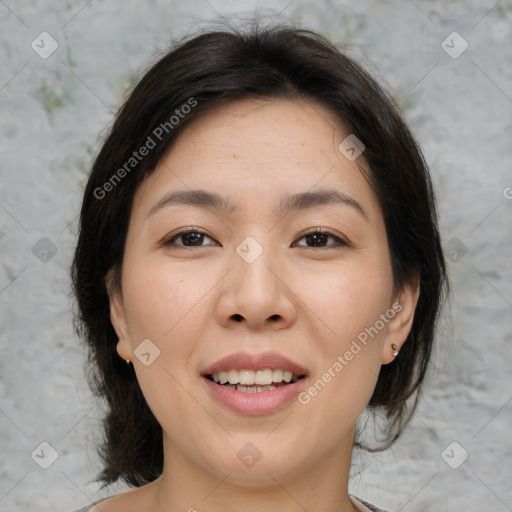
(367, 507)
(93, 508)
(132, 499)
(113, 500)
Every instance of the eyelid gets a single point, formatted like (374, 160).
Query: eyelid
(341, 240)
(168, 239)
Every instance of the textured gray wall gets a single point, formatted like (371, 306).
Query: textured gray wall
(52, 110)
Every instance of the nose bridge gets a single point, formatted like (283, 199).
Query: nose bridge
(256, 262)
(257, 291)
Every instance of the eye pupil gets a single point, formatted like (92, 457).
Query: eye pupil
(317, 237)
(193, 237)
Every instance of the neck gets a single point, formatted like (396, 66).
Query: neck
(322, 486)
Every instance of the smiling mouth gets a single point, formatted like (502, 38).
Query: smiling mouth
(251, 381)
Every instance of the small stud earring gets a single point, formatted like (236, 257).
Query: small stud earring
(128, 362)
(395, 350)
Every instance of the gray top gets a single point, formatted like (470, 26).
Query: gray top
(370, 507)
(88, 507)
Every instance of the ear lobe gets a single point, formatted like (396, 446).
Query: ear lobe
(118, 317)
(400, 326)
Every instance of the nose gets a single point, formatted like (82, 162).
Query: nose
(256, 291)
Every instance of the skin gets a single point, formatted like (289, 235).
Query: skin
(203, 302)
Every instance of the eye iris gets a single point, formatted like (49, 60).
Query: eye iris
(193, 237)
(317, 237)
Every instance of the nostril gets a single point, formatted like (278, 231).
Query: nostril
(239, 317)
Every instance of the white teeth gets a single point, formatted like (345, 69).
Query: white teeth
(233, 377)
(277, 375)
(254, 378)
(263, 377)
(252, 389)
(246, 377)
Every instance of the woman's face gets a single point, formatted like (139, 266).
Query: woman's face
(215, 285)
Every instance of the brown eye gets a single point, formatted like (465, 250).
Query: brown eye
(318, 238)
(188, 238)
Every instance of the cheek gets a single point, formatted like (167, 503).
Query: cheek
(348, 305)
(164, 305)
(348, 300)
(161, 300)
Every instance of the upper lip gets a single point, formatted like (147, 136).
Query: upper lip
(262, 361)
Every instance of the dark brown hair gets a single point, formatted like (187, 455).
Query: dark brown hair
(207, 71)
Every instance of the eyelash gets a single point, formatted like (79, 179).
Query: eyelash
(323, 231)
(313, 231)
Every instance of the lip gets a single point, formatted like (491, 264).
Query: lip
(264, 402)
(262, 361)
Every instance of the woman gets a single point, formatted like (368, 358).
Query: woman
(258, 263)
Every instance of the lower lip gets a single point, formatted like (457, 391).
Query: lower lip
(263, 402)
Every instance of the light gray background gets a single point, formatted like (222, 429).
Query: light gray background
(52, 111)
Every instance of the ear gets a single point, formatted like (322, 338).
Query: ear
(118, 316)
(399, 327)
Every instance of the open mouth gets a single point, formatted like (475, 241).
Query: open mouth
(254, 381)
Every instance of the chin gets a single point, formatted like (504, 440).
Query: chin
(262, 474)
(248, 465)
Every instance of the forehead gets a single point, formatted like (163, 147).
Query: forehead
(257, 126)
(257, 151)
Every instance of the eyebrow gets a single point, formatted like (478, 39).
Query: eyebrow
(300, 201)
